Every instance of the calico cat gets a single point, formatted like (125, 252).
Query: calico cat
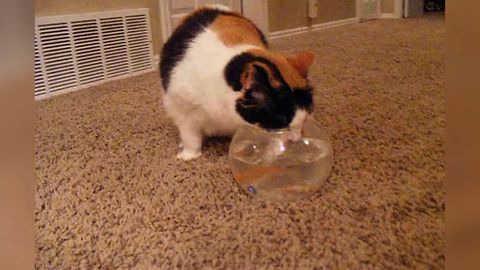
(218, 74)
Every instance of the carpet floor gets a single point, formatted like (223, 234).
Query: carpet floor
(110, 193)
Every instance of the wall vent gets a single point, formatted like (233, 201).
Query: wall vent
(82, 50)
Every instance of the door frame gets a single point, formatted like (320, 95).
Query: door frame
(360, 14)
(257, 11)
(239, 5)
(398, 9)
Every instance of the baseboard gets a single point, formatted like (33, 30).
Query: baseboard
(387, 16)
(315, 27)
(156, 61)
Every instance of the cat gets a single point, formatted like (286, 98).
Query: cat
(219, 74)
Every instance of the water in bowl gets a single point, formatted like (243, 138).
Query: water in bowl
(279, 169)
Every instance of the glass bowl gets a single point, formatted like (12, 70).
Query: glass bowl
(281, 164)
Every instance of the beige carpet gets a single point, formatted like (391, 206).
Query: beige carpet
(110, 194)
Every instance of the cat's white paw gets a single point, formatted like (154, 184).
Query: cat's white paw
(187, 155)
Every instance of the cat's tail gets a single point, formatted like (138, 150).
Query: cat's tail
(219, 7)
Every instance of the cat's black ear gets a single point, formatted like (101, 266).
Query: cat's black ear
(235, 70)
(258, 74)
(247, 78)
(245, 69)
(255, 84)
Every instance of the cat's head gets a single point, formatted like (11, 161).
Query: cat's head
(274, 90)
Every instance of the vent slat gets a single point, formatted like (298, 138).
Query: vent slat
(91, 24)
(39, 81)
(112, 26)
(117, 69)
(60, 80)
(64, 86)
(115, 46)
(82, 46)
(54, 40)
(83, 59)
(86, 34)
(118, 73)
(53, 32)
(53, 35)
(136, 27)
(113, 35)
(138, 37)
(91, 74)
(114, 67)
(139, 43)
(59, 60)
(120, 60)
(138, 33)
(141, 68)
(60, 67)
(85, 22)
(117, 65)
(51, 46)
(87, 46)
(90, 80)
(135, 16)
(108, 40)
(106, 23)
(86, 57)
(112, 56)
(56, 82)
(89, 68)
(54, 51)
(40, 93)
(109, 56)
(139, 60)
(142, 63)
(52, 25)
(114, 40)
(83, 41)
(138, 54)
(139, 49)
(114, 50)
(60, 75)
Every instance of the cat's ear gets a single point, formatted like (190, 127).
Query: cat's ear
(258, 73)
(248, 76)
(302, 62)
(255, 80)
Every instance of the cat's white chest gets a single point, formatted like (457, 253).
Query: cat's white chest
(198, 91)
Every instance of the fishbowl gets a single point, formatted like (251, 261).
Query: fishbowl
(284, 164)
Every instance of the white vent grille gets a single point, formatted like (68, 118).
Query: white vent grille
(78, 51)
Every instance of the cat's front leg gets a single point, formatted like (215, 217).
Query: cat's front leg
(191, 142)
